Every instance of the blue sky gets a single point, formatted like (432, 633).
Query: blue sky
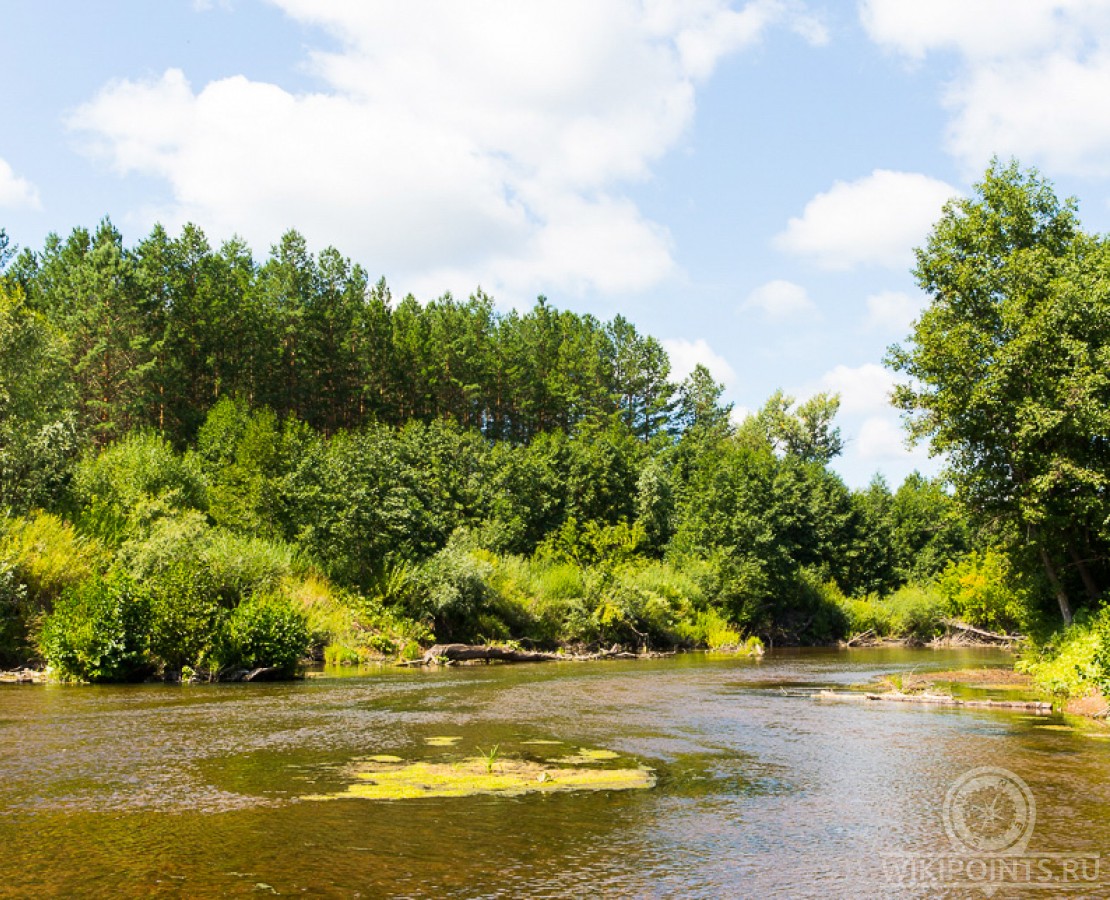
(744, 180)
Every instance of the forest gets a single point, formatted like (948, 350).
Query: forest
(210, 462)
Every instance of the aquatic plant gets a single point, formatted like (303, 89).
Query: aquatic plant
(489, 757)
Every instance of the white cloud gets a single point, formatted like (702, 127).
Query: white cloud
(16, 192)
(892, 312)
(863, 390)
(1035, 79)
(685, 355)
(881, 439)
(453, 144)
(875, 220)
(739, 414)
(781, 301)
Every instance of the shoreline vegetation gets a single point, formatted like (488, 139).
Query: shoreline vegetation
(213, 465)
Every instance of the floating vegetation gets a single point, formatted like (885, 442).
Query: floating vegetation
(384, 758)
(585, 756)
(442, 741)
(389, 778)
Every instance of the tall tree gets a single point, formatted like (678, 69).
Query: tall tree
(1008, 370)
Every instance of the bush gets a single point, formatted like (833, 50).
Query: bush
(186, 615)
(132, 483)
(917, 611)
(13, 628)
(982, 589)
(452, 591)
(267, 630)
(97, 631)
(710, 629)
(867, 614)
(48, 555)
(1075, 660)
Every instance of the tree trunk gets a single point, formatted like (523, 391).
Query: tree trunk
(1061, 594)
(1088, 582)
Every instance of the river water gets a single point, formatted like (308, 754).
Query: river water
(761, 790)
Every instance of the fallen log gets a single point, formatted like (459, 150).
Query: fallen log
(446, 654)
(483, 652)
(991, 636)
(23, 676)
(1038, 707)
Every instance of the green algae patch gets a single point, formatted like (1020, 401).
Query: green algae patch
(442, 741)
(553, 743)
(384, 758)
(474, 776)
(585, 756)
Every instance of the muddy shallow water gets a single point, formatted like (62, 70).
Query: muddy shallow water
(760, 791)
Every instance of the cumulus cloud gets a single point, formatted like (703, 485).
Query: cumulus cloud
(863, 389)
(451, 143)
(781, 301)
(875, 220)
(892, 312)
(881, 439)
(16, 192)
(1034, 77)
(685, 355)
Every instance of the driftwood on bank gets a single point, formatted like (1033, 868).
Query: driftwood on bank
(446, 654)
(978, 635)
(958, 634)
(1034, 706)
(23, 676)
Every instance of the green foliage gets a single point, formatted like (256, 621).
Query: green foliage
(126, 487)
(48, 555)
(917, 610)
(593, 543)
(1007, 372)
(38, 433)
(403, 469)
(982, 589)
(97, 631)
(710, 629)
(186, 617)
(451, 590)
(13, 628)
(265, 630)
(1075, 660)
(804, 431)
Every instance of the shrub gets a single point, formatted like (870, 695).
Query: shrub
(186, 615)
(452, 590)
(13, 629)
(1075, 660)
(266, 630)
(132, 483)
(867, 614)
(710, 629)
(983, 589)
(917, 611)
(97, 631)
(48, 555)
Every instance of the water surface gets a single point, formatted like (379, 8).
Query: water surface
(762, 792)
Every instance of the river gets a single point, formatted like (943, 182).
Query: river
(151, 791)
